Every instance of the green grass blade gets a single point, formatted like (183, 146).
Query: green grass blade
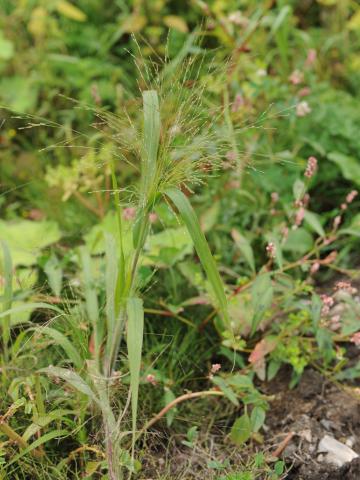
(135, 330)
(72, 379)
(202, 248)
(64, 343)
(30, 306)
(7, 298)
(110, 281)
(151, 142)
(91, 302)
(40, 441)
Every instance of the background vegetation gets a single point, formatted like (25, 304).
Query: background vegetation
(259, 116)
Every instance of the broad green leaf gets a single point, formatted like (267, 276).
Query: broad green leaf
(72, 379)
(313, 220)
(245, 248)
(25, 239)
(40, 441)
(349, 166)
(299, 241)
(70, 11)
(64, 343)
(261, 296)
(257, 418)
(202, 248)
(241, 430)
(135, 331)
(227, 391)
(299, 189)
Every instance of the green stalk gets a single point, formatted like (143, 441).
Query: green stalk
(8, 275)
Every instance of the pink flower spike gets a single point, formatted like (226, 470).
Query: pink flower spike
(311, 57)
(350, 196)
(274, 197)
(304, 92)
(129, 213)
(356, 339)
(337, 221)
(150, 378)
(271, 250)
(302, 109)
(311, 167)
(296, 77)
(215, 367)
(153, 217)
(314, 267)
(238, 103)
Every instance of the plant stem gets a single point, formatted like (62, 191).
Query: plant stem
(182, 398)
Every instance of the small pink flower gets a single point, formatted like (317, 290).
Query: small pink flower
(343, 206)
(335, 323)
(153, 217)
(314, 267)
(129, 213)
(296, 77)
(274, 197)
(311, 57)
(304, 92)
(285, 233)
(345, 287)
(231, 156)
(350, 196)
(302, 109)
(271, 250)
(327, 302)
(150, 378)
(311, 167)
(337, 221)
(238, 103)
(215, 367)
(299, 216)
(356, 339)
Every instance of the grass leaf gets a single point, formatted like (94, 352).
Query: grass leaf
(135, 329)
(151, 141)
(202, 248)
(7, 297)
(64, 343)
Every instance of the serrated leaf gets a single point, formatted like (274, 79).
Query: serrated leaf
(241, 430)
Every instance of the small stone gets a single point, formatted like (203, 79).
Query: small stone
(336, 453)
